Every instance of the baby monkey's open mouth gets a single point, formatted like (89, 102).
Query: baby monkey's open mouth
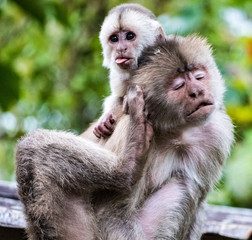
(122, 60)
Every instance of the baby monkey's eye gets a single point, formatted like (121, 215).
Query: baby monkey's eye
(130, 35)
(114, 38)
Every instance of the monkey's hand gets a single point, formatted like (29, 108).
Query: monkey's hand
(105, 126)
(134, 105)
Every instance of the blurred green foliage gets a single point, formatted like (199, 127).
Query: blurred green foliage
(51, 73)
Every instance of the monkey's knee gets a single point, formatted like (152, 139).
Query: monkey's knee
(32, 150)
(29, 153)
(36, 139)
(24, 169)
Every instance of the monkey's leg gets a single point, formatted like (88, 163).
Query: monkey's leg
(170, 212)
(48, 175)
(52, 166)
(195, 230)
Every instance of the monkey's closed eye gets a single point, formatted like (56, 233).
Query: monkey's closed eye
(199, 75)
(130, 35)
(179, 86)
(114, 38)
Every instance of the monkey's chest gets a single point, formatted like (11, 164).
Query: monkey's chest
(159, 168)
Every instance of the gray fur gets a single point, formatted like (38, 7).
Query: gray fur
(73, 188)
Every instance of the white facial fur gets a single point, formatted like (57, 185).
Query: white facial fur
(145, 28)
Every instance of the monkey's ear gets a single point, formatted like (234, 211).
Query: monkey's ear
(161, 33)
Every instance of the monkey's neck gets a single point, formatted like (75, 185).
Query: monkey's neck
(164, 133)
(119, 81)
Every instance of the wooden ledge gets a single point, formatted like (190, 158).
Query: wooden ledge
(222, 223)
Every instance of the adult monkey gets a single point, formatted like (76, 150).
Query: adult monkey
(125, 32)
(74, 189)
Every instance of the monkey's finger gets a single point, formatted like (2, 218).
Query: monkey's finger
(135, 91)
(149, 131)
(139, 90)
(109, 126)
(109, 123)
(96, 132)
(135, 98)
(112, 119)
(103, 130)
(139, 95)
(146, 113)
(125, 105)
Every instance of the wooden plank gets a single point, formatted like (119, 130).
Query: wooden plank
(8, 190)
(230, 222)
(11, 209)
(11, 214)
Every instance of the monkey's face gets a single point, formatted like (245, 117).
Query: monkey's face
(123, 45)
(124, 35)
(181, 83)
(190, 91)
(180, 100)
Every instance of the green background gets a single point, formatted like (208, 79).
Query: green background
(51, 73)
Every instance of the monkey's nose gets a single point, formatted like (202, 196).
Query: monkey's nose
(121, 50)
(195, 92)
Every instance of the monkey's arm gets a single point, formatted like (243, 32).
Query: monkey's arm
(73, 162)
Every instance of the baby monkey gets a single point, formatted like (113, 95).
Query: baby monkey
(125, 32)
(131, 187)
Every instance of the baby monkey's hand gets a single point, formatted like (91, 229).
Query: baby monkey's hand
(105, 126)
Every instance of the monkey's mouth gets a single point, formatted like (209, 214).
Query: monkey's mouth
(122, 60)
(205, 106)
